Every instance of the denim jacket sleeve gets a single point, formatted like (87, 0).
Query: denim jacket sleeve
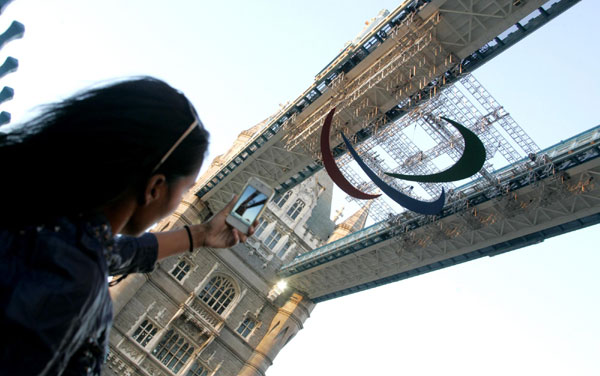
(133, 255)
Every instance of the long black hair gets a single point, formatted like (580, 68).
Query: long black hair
(85, 152)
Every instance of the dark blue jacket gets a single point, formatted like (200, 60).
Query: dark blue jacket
(55, 309)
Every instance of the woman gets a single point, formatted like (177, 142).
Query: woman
(112, 160)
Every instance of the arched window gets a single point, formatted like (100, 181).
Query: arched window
(173, 351)
(262, 224)
(197, 369)
(295, 209)
(218, 293)
(272, 239)
(180, 270)
(144, 333)
(283, 199)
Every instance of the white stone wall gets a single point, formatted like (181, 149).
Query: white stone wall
(170, 303)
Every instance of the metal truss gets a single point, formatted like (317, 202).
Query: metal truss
(432, 47)
(411, 60)
(379, 208)
(552, 192)
(465, 22)
(464, 102)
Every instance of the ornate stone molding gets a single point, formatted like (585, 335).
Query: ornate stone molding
(132, 351)
(153, 369)
(201, 311)
(118, 365)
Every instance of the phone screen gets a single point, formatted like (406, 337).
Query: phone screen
(249, 205)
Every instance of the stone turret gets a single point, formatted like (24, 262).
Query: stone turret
(355, 222)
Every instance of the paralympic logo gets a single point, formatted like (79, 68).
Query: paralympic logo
(470, 162)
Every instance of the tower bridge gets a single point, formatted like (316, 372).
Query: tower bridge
(411, 67)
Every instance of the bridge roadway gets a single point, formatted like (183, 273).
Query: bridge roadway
(421, 47)
(531, 201)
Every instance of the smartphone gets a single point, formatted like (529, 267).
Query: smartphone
(250, 205)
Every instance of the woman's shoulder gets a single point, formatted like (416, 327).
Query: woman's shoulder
(45, 268)
(61, 249)
(52, 286)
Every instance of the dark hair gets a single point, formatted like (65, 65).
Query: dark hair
(85, 152)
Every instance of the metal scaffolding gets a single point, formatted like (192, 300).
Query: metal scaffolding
(467, 102)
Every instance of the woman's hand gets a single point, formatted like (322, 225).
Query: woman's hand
(216, 233)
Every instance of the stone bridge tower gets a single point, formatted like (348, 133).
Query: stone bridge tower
(220, 312)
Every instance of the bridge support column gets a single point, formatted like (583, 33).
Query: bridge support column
(286, 323)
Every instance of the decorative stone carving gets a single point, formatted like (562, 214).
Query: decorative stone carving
(160, 314)
(203, 312)
(152, 369)
(131, 351)
(192, 328)
(116, 364)
(209, 359)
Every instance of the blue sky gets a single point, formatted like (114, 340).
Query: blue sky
(531, 311)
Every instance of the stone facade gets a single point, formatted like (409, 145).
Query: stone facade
(220, 311)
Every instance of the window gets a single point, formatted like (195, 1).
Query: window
(144, 333)
(272, 239)
(180, 270)
(284, 249)
(218, 293)
(197, 369)
(262, 224)
(283, 199)
(246, 327)
(295, 209)
(173, 351)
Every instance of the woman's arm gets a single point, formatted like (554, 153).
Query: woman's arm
(215, 233)
(139, 255)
